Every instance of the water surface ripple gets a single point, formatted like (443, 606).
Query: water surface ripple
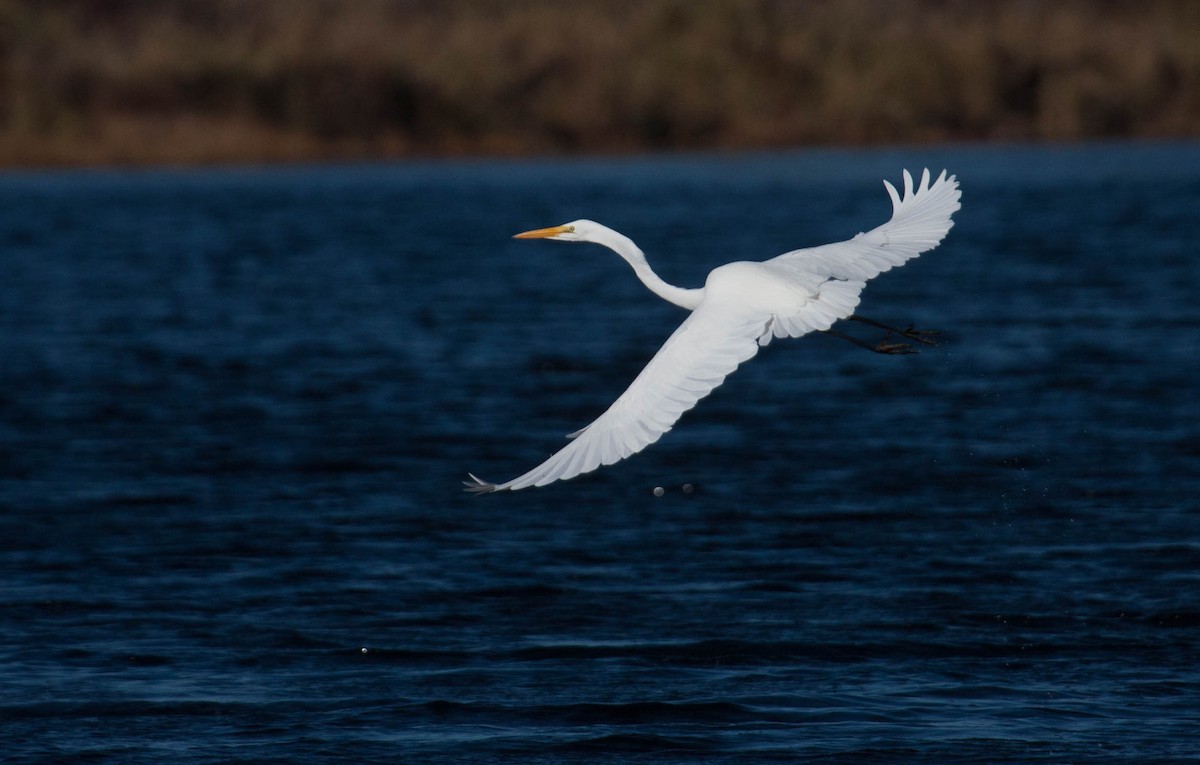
(235, 407)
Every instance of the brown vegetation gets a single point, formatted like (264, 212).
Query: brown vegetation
(128, 81)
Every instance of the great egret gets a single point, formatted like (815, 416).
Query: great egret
(740, 308)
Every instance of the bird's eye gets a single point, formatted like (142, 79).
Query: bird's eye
(570, 229)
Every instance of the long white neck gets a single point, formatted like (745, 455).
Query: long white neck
(633, 255)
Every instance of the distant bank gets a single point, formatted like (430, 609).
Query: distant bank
(204, 81)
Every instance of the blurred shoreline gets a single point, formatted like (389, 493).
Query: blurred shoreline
(198, 82)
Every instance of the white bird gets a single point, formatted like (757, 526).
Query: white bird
(741, 307)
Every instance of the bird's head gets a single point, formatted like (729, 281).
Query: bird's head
(576, 231)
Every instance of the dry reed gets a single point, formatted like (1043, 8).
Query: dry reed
(197, 81)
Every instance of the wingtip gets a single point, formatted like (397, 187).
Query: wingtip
(927, 184)
(895, 195)
(479, 486)
(947, 178)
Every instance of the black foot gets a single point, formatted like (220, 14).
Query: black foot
(922, 336)
(895, 349)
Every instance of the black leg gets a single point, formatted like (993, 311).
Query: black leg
(881, 347)
(923, 336)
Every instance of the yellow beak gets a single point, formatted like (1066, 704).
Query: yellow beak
(542, 233)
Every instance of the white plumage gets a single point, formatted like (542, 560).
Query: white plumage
(741, 307)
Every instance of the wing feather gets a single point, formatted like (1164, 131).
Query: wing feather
(702, 352)
(835, 274)
(920, 220)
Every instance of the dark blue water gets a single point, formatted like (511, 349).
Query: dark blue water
(236, 406)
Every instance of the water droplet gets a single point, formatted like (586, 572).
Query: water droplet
(659, 491)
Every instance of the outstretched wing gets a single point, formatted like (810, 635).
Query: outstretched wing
(706, 348)
(920, 220)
